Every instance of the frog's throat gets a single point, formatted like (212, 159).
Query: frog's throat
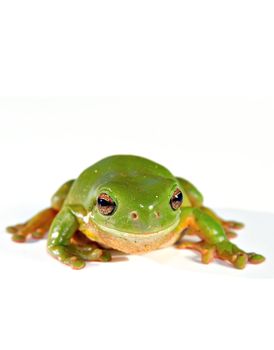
(131, 243)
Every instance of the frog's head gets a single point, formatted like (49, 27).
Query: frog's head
(138, 206)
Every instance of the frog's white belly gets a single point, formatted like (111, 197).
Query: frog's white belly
(131, 243)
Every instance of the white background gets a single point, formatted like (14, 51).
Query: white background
(211, 66)
(224, 145)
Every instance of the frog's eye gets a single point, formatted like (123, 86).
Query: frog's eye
(105, 204)
(176, 199)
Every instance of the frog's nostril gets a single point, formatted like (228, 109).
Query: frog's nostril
(134, 215)
(157, 214)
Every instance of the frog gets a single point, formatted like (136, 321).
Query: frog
(132, 205)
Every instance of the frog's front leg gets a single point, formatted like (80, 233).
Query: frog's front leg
(214, 243)
(62, 247)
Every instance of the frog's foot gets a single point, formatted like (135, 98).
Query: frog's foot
(75, 255)
(224, 250)
(36, 227)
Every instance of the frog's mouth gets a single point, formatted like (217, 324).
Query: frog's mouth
(131, 243)
(136, 236)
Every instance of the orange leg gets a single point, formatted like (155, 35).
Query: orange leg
(36, 227)
(214, 241)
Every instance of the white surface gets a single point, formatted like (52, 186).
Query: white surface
(165, 299)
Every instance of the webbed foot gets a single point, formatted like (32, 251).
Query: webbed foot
(224, 250)
(36, 227)
(76, 256)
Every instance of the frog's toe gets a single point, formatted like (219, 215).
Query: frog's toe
(18, 238)
(230, 234)
(240, 261)
(106, 256)
(208, 255)
(11, 229)
(15, 228)
(233, 225)
(254, 258)
(38, 234)
(75, 263)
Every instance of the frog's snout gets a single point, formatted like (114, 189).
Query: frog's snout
(135, 216)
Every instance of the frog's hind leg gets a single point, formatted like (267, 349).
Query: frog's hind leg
(39, 224)
(196, 199)
(228, 225)
(57, 200)
(214, 242)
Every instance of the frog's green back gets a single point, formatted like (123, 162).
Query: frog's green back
(123, 169)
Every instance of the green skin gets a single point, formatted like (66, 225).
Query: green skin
(143, 219)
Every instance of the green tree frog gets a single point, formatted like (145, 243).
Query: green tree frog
(133, 205)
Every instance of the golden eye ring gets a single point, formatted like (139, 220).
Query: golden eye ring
(176, 199)
(105, 204)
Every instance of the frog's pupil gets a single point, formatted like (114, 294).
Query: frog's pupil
(103, 202)
(179, 197)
